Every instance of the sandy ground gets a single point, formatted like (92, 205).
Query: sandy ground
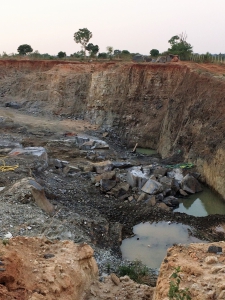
(46, 123)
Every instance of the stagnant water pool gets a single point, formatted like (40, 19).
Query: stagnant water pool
(151, 241)
(202, 204)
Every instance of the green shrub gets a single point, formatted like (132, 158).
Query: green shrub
(174, 291)
(137, 272)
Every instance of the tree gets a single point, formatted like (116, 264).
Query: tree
(180, 46)
(82, 37)
(102, 55)
(125, 52)
(78, 54)
(109, 51)
(92, 49)
(61, 54)
(154, 52)
(24, 49)
(117, 53)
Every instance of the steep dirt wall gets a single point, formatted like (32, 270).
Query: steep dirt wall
(169, 107)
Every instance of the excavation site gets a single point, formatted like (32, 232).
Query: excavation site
(106, 166)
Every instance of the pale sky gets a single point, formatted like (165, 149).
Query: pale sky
(133, 25)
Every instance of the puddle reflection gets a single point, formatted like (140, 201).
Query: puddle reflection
(151, 241)
(202, 204)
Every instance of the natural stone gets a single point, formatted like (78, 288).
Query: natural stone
(120, 189)
(171, 201)
(211, 260)
(151, 201)
(166, 182)
(27, 189)
(136, 178)
(160, 171)
(163, 206)
(190, 184)
(106, 175)
(143, 196)
(37, 156)
(152, 187)
(107, 184)
(102, 167)
(183, 193)
(214, 249)
(115, 279)
(177, 174)
(121, 164)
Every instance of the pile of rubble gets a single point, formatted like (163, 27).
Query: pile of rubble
(154, 184)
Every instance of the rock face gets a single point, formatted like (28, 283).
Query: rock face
(35, 268)
(202, 272)
(27, 190)
(168, 107)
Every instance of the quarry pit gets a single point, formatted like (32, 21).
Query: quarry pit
(176, 109)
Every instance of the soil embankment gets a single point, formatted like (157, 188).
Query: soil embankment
(169, 107)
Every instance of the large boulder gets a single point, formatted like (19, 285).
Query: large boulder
(28, 190)
(171, 201)
(160, 171)
(106, 175)
(36, 156)
(166, 182)
(103, 166)
(120, 189)
(136, 178)
(190, 184)
(107, 184)
(176, 174)
(152, 187)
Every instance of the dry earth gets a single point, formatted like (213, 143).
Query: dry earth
(202, 272)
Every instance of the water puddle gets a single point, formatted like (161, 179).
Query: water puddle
(202, 204)
(151, 241)
(146, 151)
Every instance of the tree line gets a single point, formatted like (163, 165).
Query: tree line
(178, 46)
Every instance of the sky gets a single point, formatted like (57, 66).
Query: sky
(134, 25)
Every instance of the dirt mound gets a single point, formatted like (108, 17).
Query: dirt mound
(202, 271)
(35, 268)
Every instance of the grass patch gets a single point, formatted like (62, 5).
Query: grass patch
(137, 272)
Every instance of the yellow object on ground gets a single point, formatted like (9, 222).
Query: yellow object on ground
(5, 168)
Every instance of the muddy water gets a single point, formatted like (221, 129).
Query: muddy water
(146, 151)
(202, 204)
(151, 241)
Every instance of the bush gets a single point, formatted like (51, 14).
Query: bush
(174, 291)
(137, 272)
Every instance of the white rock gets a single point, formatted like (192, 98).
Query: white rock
(211, 260)
(8, 235)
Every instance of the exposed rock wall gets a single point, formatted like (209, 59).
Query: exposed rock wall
(168, 107)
